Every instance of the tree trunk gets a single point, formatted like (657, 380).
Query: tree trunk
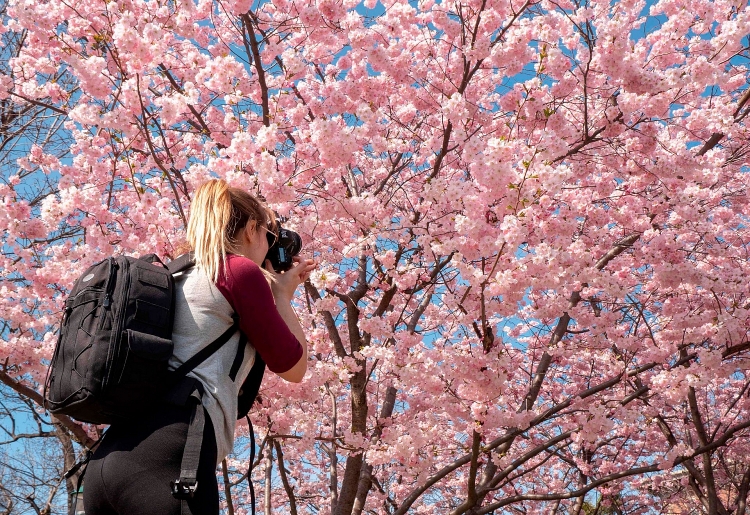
(227, 487)
(69, 459)
(267, 486)
(354, 462)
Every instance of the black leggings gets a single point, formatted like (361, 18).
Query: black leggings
(130, 471)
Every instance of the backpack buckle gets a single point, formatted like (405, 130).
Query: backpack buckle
(183, 489)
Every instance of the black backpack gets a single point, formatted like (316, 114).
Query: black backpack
(110, 361)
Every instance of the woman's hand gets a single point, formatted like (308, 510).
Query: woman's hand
(285, 283)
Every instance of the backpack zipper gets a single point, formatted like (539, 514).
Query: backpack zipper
(110, 283)
(119, 318)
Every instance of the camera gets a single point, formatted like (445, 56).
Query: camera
(283, 249)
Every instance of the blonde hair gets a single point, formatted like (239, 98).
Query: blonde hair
(217, 215)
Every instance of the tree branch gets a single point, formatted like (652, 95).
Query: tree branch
(76, 430)
(285, 479)
(248, 24)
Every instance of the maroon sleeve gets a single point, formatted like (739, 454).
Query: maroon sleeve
(247, 290)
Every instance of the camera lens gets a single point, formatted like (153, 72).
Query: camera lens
(283, 249)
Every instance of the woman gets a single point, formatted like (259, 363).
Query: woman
(229, 232)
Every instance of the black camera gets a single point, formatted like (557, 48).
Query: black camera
(283, 248)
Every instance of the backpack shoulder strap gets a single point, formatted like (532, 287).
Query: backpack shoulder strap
(251, 386)
(182, 263)
(203, 354)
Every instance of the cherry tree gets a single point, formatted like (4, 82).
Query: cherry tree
(31, 457)
(531, 219)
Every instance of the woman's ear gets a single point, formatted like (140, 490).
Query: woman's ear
(250, 229)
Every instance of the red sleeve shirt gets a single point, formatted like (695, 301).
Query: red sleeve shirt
(248, 292)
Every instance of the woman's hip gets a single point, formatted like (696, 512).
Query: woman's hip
(136, 461)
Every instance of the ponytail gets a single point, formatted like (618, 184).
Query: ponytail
(217, 214)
